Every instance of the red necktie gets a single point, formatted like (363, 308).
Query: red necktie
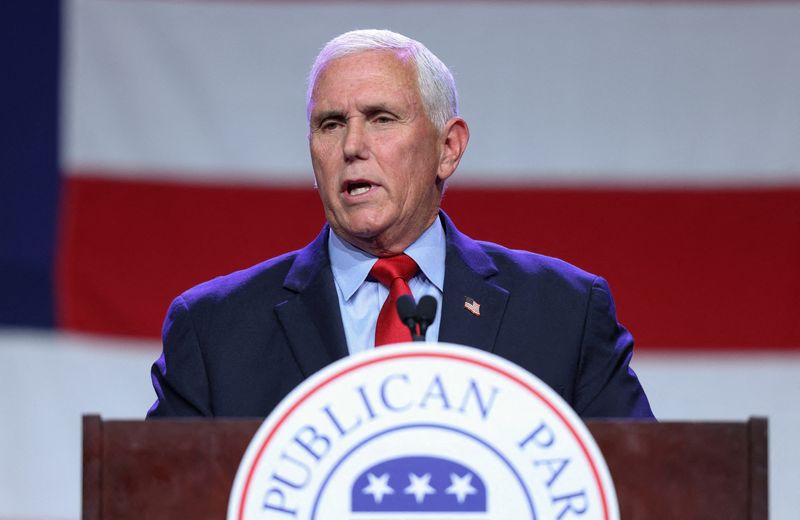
(393, 272)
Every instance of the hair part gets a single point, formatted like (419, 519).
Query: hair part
(437, 88)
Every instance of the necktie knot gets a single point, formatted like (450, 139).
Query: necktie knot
(393, 272)
(387, 270)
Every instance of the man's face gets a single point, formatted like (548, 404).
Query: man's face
(375, 153)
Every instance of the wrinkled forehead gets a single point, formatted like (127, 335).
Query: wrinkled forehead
(361, 63)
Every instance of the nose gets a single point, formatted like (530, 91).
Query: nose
(355, 143)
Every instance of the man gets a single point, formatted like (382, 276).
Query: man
(384, 136)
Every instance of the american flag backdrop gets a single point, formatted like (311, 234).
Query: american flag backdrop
(155, 144)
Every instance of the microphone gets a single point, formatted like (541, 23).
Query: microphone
(407, 310)
(426, 313)
(413, 315)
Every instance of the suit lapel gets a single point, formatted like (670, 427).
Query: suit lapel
(312, 320)
(468, 274)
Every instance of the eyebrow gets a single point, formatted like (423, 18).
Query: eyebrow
(398, 112)
(378, 107)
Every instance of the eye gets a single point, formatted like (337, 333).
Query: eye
(383, 119)
(329, 125)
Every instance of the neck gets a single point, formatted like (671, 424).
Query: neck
(384, 245)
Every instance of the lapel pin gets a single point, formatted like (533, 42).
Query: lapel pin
(472, 306)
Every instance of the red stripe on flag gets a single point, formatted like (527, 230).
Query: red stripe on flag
(689, 268)
(128, 248)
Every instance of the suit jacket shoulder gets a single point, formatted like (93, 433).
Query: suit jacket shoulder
(235, 291)
(546, 315)
(519, 266)
(237, 344)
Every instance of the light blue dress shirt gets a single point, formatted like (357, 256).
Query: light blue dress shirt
(360, 300)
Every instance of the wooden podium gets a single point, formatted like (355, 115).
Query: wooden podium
(176, 469)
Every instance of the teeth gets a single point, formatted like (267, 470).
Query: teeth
(358, 190)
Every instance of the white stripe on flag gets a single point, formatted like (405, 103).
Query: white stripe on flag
(579, 92)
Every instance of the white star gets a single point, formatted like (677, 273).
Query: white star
(461, 487)
(419, 487)
(378, 487)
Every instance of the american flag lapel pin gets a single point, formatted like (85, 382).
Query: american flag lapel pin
(472, 306)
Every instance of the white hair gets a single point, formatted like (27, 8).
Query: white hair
(437, 88)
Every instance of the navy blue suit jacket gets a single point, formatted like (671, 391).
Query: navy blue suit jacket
(236, 345)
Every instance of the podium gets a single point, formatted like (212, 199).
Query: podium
(184, 468)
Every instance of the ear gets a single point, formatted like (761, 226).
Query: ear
(454, 139)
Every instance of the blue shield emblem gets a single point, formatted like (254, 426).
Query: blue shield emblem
(418, 485)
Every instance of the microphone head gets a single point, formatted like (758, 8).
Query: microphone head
(426, 310)
(406, 308)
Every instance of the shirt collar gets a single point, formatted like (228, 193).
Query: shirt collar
(351, 265)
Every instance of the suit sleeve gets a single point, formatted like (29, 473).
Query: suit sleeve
(606, 385)
(179, 375)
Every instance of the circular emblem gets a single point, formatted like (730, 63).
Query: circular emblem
(437, 431)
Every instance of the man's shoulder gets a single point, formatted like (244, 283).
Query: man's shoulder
(264, 279)
(514, 267)
(270, 280)
(522, 266)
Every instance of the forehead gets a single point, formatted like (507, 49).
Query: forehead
(368, 73)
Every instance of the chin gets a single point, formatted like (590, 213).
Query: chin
(366, 227)
(351, 232)
(364, 234)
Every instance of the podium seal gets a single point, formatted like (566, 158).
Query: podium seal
(436, 431)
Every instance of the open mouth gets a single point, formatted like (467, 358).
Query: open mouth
(358, 188)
